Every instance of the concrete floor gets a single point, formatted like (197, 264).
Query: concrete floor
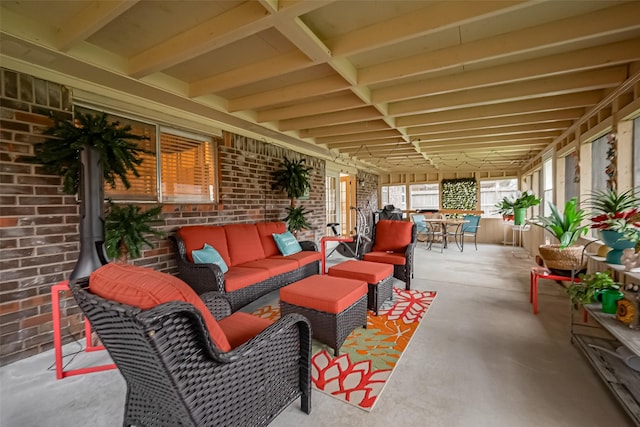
(480, 358)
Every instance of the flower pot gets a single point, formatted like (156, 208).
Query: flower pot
(563, 261)
(617, 243)
(519, 214)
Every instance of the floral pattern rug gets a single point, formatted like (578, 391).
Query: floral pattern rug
(367, 358)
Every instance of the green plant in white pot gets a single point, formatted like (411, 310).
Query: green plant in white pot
(567, 227)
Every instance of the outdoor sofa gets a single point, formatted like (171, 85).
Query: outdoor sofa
(256, 266)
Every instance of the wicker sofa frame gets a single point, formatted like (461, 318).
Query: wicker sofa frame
(209, 278)
(328, 328)
(176, 376)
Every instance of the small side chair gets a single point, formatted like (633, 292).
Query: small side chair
(470, 229)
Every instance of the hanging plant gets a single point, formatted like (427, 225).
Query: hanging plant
(60, 155)
(293, 178)
(126, 228)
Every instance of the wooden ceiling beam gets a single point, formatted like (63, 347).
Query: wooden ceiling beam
(568, 62)
(369, 143)
(335, 103)
(505, 147)
(498, 122)
(553, 128)
(348, 128)
(417, 23)
(347, 116)
(358, 137)
(549, 86)
(551, 103)
(563, 31)
(282, 95)
(532, 136)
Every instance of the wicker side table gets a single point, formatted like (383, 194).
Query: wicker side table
(334, 306)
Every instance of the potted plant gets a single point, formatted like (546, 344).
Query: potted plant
(567, 228)
(505, 208)
(87, 152)
(617, 218)
(523, 201)
(126, 228)
(592, 286)
(293, 178)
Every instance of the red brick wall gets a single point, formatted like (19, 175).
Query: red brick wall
(39, 224)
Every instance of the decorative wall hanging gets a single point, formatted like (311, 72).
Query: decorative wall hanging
(460, 193)
(612, 155)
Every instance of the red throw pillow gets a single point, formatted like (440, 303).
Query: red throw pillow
(145, 288)
(392, 235)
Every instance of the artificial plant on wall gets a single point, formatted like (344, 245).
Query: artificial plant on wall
(460, 193)
(293, 178)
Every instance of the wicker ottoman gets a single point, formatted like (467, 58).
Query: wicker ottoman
(333, 305)
(379, 277)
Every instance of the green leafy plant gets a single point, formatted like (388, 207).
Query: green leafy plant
(293, 178)
(617, 212)
(566, 227)
(126, 228)
(60, 155)
(296, 220)
(584, 291)
(505, 208)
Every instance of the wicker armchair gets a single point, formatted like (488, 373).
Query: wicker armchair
(394, 243)
(177, 377)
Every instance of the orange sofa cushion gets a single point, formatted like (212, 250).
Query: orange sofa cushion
(241, 327)
(244, 243)
(273, 266)
(241, 277)
(395, 258)
(302, 258)
(194, 238)
(370, 272)
(324, 293)
(266, 230)
(145, 288)
(392, 235)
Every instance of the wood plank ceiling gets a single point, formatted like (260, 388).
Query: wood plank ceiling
(397, 85)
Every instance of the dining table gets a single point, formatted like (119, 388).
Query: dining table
(446, 225)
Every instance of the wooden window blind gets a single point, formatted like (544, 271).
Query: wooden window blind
(187, 168)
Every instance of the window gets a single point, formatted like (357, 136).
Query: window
(184, 165)
(547, 186)
(187, 167)
(424, 196)
(395, 195)
(491, 192)
(599, 163)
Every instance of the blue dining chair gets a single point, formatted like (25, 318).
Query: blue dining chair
(470, 229)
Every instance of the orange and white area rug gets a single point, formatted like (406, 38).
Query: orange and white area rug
(367, 358)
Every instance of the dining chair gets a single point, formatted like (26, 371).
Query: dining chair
(470, 229)
(422, 229)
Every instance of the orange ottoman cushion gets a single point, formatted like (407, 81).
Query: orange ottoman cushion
(145, 288)
(370, 272)
(324, 293)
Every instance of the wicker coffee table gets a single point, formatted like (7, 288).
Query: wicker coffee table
(334, 306)
(379, 277)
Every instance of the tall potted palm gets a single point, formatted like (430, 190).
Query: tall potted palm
(293, 178)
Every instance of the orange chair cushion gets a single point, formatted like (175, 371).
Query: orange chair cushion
(244, 243)
(302, 258)
(394, 258)
(241, 327)
(266, 230)
(324, 293)
(194, 238)
(392, 235)
(273, 266)
(241, 277)
(370, 272)
(145, 288)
